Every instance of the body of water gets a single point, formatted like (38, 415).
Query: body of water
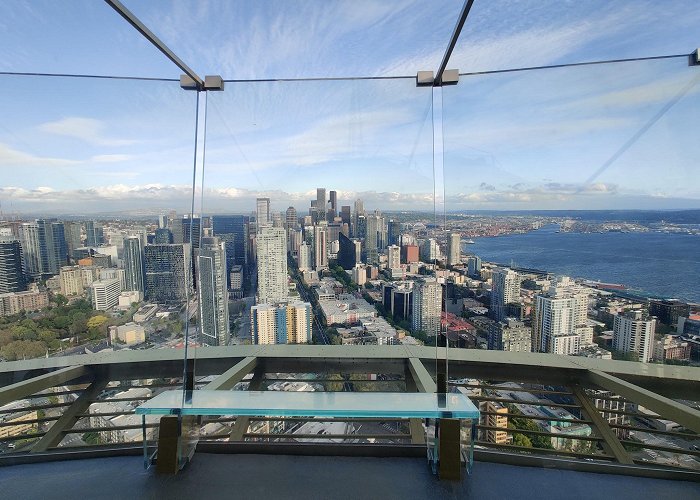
(659, 264)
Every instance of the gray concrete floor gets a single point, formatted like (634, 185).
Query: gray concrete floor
(213, 476)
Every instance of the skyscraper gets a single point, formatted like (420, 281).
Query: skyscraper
(304, 257)
(394, 232)
(333, 210)
(320, 247)
(133, 265)
(393, 257)
(321, 204)
(454, 251)
(345, 214)
(168, 273)
(346, 254)
(427, 307)
(291, 218)
(94, 234)
(509, 335)
(474, 266)
(212, 292)
(43, 247)
(505, 289)
(374, 222)
(191, 230)
(73, 236)
(233, 231)
(272, 265)
(430, 250)
(12, 277)
(633, 332)
(163, 236)
(262, 213)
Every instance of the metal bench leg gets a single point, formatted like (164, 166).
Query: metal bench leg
(450, 462)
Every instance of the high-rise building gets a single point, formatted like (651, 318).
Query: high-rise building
(262, 213)
(94, 235)
(43, 247)
(162, 221)
(359, 211)
(291, 218)
(12, 277)
(133, 265)
(321, 203)
(345, 215)
(168, 273)
(72, 281)
(505, 289)
(559, 323)
(304, 261)
(668, 311)
(454, 250)
(474, 266)
(374, 222)
(177, 230)
(212, 292)
(346, 254)
(509, 335)
(320, 247)
(272, 265)
(427, 307)
(333, 209)
(393, 257)
(409, 254)
(281, 323)
(429, 250)
(105, 293)
(191, 230)
(73, 236)
(398, 299)
(393, 232)
(633, 332)
(495, 417)
(163, 236)
(233, 231)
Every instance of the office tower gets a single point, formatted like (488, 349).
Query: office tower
(281, 323)
(177, 230)
(633, 332)
(72, 281)
(359, 210)
(162, 221)
(559, 323)
(474, 266)
(346, 254)
(105, 293)
(409, 254)
(321, 203)
(427, 307)
(304, 257)
(320, 247)
(73, 236)
(345, 215)
(278, 219)
(509, 335)
(212, 292)
(272, 265)
(12, 277)
(163, 236)
(94, 235)
(114, 273)
(168, 273)
(393, 257)
(334, 202)
(398, 299)
(133, 265)
(191, 230)
(454, 251)
(262, 213)
(233, 231)
(294, 239)
(429, 251)
(394, 232)
(372, 238)
(360, 230)
(43, 247)
(235, 277)
(291, 218)
(382, 234)
(505, 289)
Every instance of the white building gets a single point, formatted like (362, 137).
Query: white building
(304, 257)
(454, 251)
(105, 293)
(427, 307)
(272, 265)
(281, 323)
(71, 281)
(359, 274)
(320, 247)
(505, 289)
(393, 257)
(634, 332)
(128, 334)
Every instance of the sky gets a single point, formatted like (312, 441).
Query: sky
(615, 136)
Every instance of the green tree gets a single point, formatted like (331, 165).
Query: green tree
(521, 440)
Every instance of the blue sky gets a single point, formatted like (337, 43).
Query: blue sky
(526, 140)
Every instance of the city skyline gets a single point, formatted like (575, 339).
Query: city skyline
(567, 138)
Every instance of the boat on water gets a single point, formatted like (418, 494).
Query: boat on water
(469, 242)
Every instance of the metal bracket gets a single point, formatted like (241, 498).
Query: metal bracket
(427, 78)
(211, 82)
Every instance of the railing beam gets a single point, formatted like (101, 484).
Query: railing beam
(72, 414)
(611, 444)
(415, 425)
(669, 409)
(240, 426)
(21, 390)
(424, 382)
(227, 380)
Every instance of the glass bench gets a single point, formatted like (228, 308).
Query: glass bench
(436, 409)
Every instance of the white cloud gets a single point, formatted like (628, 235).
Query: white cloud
(88, 130)
(16, 158)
